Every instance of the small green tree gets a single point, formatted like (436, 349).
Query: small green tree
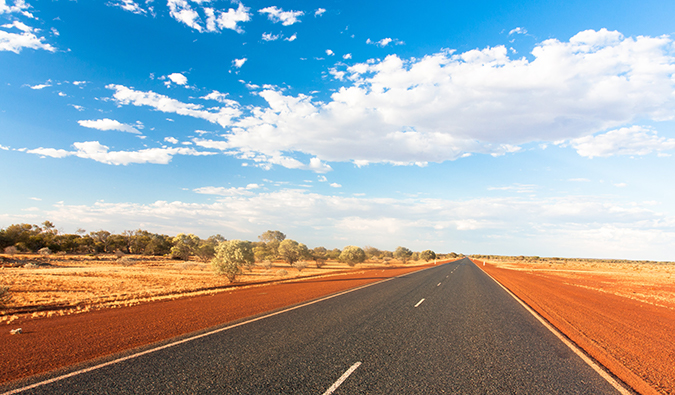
(184, 245)
(352, 255)
(232, 257)
(428, 255)
(403, 254)
(290, 251)
(319, 256)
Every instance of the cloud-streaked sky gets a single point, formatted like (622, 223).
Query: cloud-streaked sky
(526, 128)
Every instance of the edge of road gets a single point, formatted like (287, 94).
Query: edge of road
(614, 381)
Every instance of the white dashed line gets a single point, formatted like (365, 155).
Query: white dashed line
(420, 302)
(342, 379)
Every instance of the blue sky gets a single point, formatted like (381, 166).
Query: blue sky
(517, 128)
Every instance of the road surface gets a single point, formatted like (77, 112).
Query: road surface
(448, 329)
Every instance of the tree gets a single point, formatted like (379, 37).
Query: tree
(206, 249)
(428, 255)
(319, 256)
(352, 255)
(291, 251)
(372, 252)
(333, 254)
(232, 257)
(184, 245)
(403, 254)
(272, 235)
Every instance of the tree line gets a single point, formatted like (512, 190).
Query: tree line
(229, 257)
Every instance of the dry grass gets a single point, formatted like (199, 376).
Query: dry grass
(646, 281)
(60, 285)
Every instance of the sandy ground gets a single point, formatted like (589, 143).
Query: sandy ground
(60, 285)
(50, 342)
(620, 313)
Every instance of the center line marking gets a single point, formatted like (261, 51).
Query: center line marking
(342, 379)
(420, 302)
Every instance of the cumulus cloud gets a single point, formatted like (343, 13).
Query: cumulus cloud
(215, 20)
(221, 116)
(20, 7)
(448, 104)
(319, 11)
(129, 5)
(110, 124)
(286, 18)
(177, 78)
(270, 37)
(292, 38)
(384, 42)
(101, 153)
(171, 140)
(634, 140)
(330, 52)
(239, 62)
(518, 30)
(15, 42)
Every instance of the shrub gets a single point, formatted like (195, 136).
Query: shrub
(352, 255)
(5, 296)
(44, 251)
(11, 250)
(282, 273)
(232, 257)
(300, 265)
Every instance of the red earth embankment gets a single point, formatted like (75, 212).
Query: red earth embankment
(52, 343)
(633, 339)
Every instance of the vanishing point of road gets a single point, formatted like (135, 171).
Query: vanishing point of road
(449, 329)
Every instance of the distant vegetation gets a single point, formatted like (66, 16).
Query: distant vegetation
(227, 257)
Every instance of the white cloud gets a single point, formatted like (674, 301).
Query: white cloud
(239, 62)
(634, 140)
(221, 116)
(447, 105)
(621, 185)
(20, 6)
(518, 30)
(319, 11)
(171, 140)
(292, 38)
(101, 153)
(329, 52)
(51, 152)
(177, 78)
(110, 124)
(41, 86)
(233, 191)
(286, 18)
(216, 20)
(384, 42)
(270, 37)
(130, 5)
(15, 42)
(221, 98)
(347, 56)
(335, 185)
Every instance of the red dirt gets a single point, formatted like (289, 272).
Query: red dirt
(633, 339)
(52, 343)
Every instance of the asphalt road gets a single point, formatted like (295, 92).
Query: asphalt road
(448, 329)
